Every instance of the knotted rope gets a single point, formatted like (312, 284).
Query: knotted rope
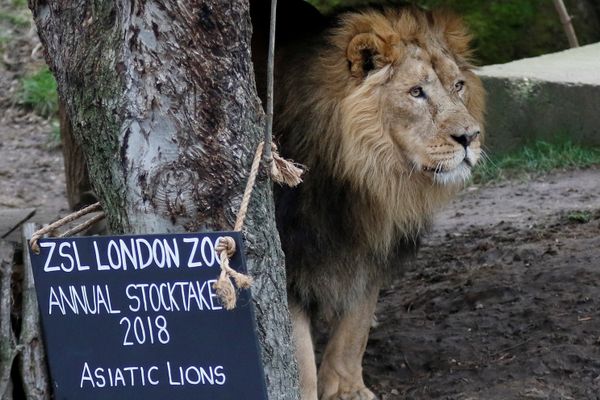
(223, 286)
(285, 172)
(288, 173)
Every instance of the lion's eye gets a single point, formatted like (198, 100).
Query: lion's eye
(417, 91)
(458, 86)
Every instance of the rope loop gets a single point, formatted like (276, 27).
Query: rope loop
(224, 288)
(226, 244)
(33, 242)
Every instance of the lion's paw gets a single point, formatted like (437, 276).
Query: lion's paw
(360, 394)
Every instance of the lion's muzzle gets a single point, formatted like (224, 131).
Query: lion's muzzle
(467, 137)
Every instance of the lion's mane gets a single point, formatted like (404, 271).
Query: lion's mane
(361, 207)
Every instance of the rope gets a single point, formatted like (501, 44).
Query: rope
(285, 172)
(33, 242)
(282, 171)
(223, 287)
(241, 215)
(82, 227)
(225, 247)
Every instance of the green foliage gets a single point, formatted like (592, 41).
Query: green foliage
(15, 13)
(537, 158)
(4, 39)
(326, 6)
(38, 92)
(17, 20)
(580, 216)
(19, 3)
(504, 30)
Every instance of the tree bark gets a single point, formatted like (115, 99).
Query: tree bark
(8, 343)
(78, 182)
(161, 97)
(33, 368)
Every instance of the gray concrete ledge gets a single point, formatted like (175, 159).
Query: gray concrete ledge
(544, 97)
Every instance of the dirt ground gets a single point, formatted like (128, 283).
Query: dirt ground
(502, 302)
(31, 165)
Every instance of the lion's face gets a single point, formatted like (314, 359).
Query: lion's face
(428, 120)
(413, 70)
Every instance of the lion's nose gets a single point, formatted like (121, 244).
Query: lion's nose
(466, 138)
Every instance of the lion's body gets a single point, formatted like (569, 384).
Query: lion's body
(385, 112)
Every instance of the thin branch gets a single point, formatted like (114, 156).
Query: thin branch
(566, 19)
(270, 69)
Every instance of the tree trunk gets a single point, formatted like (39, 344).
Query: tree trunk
(78, 182)
(161, 97)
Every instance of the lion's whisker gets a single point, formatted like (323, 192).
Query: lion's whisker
(487, 158)
(414, 166)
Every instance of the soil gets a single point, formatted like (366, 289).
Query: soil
(503, 300)
(501, 303)
(31, 164)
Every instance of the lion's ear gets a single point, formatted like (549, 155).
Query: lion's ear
(367, 52)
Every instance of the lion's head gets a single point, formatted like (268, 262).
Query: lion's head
(410, 94)
(389, 104)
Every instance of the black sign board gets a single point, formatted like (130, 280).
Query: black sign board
(136, 317)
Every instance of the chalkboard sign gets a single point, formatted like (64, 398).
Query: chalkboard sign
(136, 317)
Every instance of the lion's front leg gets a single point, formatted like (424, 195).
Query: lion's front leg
(340, 372)
(305, 355)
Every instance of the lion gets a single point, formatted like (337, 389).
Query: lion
(384, 109)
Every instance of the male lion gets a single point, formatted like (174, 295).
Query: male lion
(385, 111)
